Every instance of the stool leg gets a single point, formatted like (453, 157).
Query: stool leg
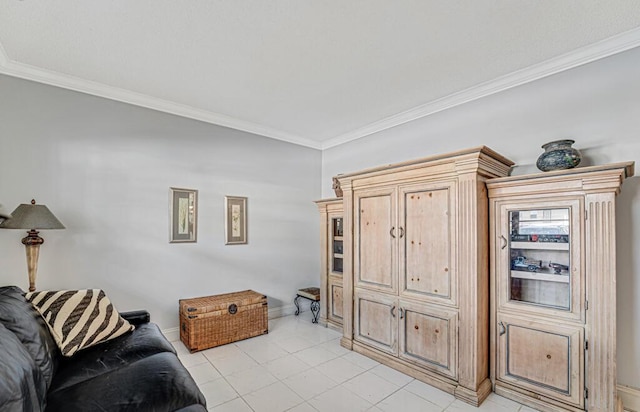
(295, 301)
(315, 310)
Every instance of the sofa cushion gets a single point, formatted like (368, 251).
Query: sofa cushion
(156, 383)
(19, 316)
(22, 386)
(79, 319)
(144, 341)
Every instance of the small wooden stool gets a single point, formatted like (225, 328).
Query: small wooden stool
(313, 294)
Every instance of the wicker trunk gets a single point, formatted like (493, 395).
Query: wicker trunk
(217, 320)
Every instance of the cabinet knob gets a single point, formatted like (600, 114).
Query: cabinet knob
(393, 228)
(503, 330)
(504, 242)
(393, 308)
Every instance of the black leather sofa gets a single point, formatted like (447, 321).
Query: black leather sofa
(138, 371)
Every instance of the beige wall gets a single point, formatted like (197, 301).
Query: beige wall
(105, 168)
(598, 105)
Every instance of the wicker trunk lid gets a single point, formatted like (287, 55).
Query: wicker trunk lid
(210, 321)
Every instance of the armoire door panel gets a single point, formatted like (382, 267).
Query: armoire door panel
(336, 302)
(376, 322)
(428, 336)
(428, 224)
(544, 358)
(376, 240)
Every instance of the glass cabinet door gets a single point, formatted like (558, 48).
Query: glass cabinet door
(336, 245)
(539, 257)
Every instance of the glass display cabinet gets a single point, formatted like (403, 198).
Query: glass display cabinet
(552, 274)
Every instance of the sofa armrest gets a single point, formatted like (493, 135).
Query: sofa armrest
(136, 317)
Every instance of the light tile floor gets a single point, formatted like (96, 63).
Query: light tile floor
(301, 367)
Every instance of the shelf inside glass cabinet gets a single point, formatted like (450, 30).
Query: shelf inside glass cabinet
(539, 253)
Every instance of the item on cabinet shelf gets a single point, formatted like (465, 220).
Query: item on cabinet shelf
(540, 238)
(558, 155)
(522, 262)
(558, 267)
(336, 187)
(216, 320)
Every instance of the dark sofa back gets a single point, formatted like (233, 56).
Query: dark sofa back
(19, 318)
(22, 386)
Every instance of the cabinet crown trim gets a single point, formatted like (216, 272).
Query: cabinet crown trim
(482, 156)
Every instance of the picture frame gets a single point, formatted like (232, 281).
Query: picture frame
(183, 215)
(235, 220)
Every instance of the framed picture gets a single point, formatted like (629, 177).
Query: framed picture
(183, 214)
(235, 220)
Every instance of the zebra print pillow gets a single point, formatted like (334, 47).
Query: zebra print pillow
(79, 319)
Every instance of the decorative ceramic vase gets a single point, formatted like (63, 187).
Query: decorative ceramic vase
(558, 155)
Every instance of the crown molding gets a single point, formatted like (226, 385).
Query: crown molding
(596, 51)
(52, 78)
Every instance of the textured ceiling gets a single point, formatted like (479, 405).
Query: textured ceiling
(316, 73)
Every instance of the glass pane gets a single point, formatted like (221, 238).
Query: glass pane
(337, 226)
(337, 265)
(336, 245)
(540, 258)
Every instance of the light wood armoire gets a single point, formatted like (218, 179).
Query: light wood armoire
(331, 262)
(553, 288)
(416, 270)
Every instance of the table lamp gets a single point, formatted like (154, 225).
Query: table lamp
(32, 217)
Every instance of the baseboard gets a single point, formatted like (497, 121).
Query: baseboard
(282, 311)
(630, 398)
(172, 334)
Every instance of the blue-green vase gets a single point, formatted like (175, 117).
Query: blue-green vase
(558, 155)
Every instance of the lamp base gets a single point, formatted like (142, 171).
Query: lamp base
(32, 244)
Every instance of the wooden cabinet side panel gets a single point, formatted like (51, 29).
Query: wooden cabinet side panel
(473, 281)
(324, 262)
(601, 291)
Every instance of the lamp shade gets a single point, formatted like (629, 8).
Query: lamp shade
(32, 217)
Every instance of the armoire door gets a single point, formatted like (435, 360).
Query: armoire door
(376, 320)
(428, 241)
(542, 357)
(429, 337)
(376, 232)
(336, 301)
